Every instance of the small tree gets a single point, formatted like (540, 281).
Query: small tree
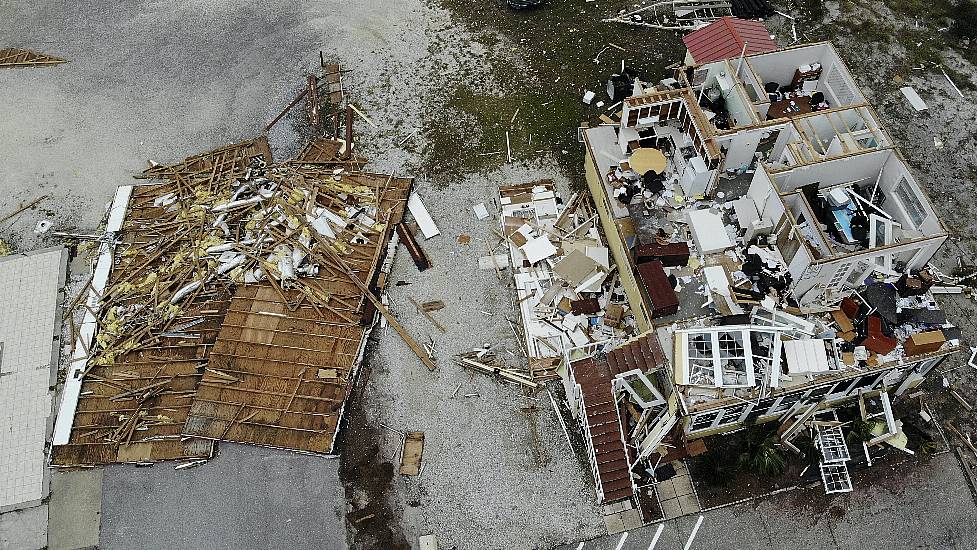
(761, 454)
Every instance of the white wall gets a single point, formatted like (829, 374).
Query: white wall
(742, 146)
(857, 168)
(895, 169)
(768, 203)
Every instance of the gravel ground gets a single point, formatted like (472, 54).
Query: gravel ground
(494, 476)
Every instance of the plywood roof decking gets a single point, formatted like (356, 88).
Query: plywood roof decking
(145, 374)
(278, 398)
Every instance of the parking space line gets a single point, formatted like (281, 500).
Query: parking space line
(658, 533)
(694, 531)
(620, 543)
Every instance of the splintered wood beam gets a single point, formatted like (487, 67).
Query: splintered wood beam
(287, 109)
(15, 57)
(411, 343)
(427, 314)
(313, 101)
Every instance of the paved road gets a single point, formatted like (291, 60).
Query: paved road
(920, 506)
(251, 497)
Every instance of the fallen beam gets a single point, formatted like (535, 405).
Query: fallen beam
(421, 259)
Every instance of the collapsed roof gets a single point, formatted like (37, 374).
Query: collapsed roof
(222, 308)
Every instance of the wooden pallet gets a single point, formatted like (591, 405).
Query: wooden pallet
(15, 57)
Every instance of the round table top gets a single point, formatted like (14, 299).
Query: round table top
(647, 158)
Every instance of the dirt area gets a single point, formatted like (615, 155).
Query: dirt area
(366, 477)
(543, 61)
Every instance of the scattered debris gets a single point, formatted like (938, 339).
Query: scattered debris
(952, 85)
(228, 273)
(427, 313)
(422, 217)
(421, 259)
(23, 208)
(914, 99)
(491, 364)
(480, 211)
(15, 57)
(43, 226)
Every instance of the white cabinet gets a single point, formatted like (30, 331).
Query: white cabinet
(695, 177)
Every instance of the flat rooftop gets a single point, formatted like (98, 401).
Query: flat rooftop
(29, 349)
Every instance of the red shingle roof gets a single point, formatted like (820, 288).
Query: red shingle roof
(724, 39)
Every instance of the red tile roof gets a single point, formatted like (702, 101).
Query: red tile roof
(724, 39)
(602, 415)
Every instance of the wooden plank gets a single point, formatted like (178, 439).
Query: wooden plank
(410, 460)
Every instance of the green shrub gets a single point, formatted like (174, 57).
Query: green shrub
(760, 453)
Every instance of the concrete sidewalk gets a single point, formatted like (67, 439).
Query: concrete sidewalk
(925, 505)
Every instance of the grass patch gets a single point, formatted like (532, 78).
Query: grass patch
(555, 46)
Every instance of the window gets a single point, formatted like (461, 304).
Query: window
(703, 421)
(836, 82)
(910, 202)
(735, 414)
(839, 275)
(783, 403)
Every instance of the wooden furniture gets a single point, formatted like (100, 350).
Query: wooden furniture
(661, 296)
(924, 342)
(801, 76)
(671, 254)
(779, 109)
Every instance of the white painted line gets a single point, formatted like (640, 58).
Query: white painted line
(658, 533)
(694, 531)
(580, 546)
(620, 543)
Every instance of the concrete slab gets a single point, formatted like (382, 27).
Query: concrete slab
(614, 524)
(24, 529)
(671, 508)
(75, 509)
(666, 489)
(682, 485)
(689, 504)
(248, 497)
(30, 320)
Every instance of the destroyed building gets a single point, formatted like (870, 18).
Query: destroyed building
(773, 245)
(230, 301)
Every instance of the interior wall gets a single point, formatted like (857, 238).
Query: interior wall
(856, 168)
(740, 107)
(787, 135)
(779, 66)
(895, 170)
(742, 146)
(767, 200)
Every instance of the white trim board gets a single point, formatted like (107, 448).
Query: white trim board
(86, 332)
